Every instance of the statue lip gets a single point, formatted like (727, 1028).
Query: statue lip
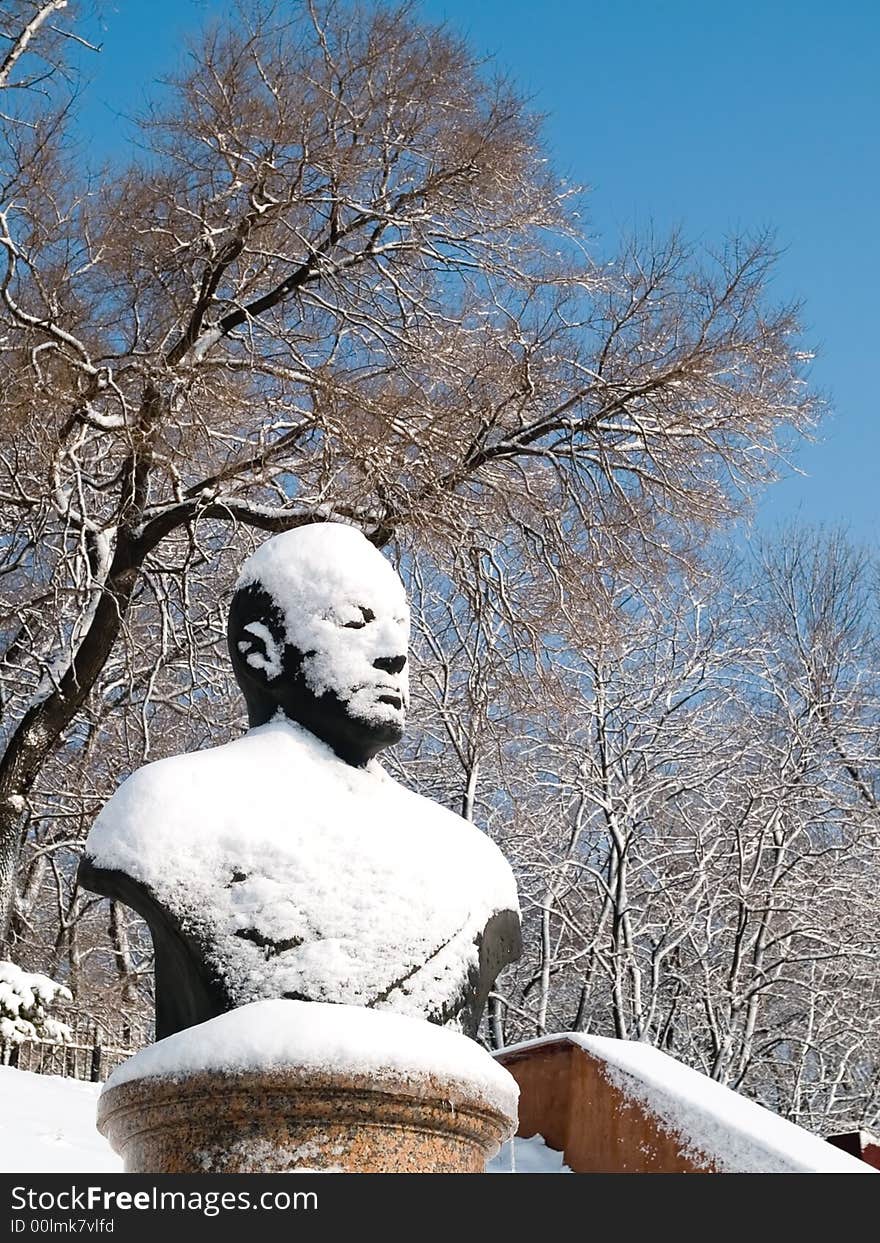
(383, 693)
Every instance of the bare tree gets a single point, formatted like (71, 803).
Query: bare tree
(696, 847)
(341, 282)
(35, 39)
(338, 279)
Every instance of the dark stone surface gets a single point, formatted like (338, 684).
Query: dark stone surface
(188, 989)
(327, 717)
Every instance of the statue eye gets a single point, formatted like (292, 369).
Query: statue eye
(367, 615)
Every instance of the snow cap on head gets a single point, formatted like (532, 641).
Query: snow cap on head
(311, 567)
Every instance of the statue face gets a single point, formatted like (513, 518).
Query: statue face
(353, 645)
(320, 628)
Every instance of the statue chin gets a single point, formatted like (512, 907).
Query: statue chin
(387, 728)
(355, 738)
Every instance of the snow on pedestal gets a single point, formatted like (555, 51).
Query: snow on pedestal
(286, 1085)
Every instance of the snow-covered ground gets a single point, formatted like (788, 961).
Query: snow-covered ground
(527, 1156)
(47, 1125)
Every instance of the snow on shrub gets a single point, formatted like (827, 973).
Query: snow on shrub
(25, 999)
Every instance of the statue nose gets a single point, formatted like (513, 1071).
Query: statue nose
(390, 664)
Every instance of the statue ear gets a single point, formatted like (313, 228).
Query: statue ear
(260, 650)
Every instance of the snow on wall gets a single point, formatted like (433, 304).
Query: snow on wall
(311, 877)
(710, 1119)
(325, 1039)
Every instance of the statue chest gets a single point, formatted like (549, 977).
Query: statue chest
(368, 902)
(295, 875)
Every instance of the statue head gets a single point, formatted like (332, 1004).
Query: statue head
(319, 629)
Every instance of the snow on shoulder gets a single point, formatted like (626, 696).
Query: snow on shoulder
(321, 1039)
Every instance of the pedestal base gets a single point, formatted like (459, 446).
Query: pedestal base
(419, 1100)
(258, 1123)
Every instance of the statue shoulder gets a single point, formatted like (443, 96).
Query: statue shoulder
(158, 802)
(169, 777)
(171, 805)
(467, 841)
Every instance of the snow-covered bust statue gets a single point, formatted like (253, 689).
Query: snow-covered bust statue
(288, 863)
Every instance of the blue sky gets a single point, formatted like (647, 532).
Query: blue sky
(713, 116)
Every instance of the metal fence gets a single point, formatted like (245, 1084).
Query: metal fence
(91, 1052)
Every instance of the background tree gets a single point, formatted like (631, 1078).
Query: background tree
(697, 851)
(338, 278)
(340, 282)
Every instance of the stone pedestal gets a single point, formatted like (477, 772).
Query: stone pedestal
(362, 1112)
